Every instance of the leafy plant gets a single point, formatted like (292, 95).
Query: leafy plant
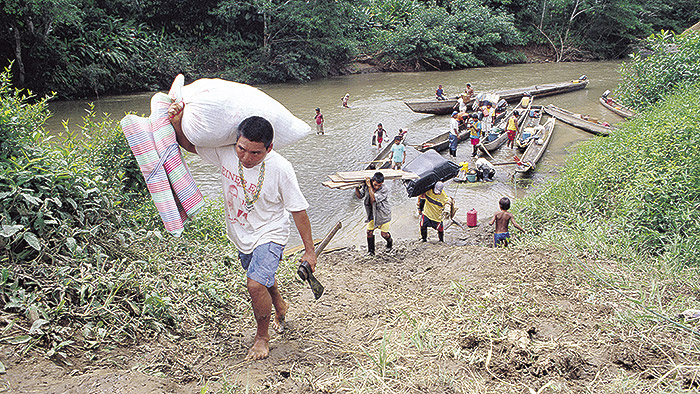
(633, 194)
(668, 62)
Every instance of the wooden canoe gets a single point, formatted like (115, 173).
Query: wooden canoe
(440, 142)
(536, 149)
(533, 117)
(616, 107)
(445, 107)
(383, 158)
(501, 126)
(578, 121)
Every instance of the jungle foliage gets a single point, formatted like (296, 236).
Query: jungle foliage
(667, 62)
(635, 195)
(87, 48)
(83, 264)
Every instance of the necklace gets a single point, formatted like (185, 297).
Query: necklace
(250, 200)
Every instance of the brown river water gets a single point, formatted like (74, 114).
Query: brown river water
(379, 98)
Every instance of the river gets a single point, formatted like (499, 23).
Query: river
(378, 98)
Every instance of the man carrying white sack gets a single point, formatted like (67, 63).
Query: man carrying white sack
(260, 188)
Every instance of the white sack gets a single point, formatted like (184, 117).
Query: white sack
(214, 108)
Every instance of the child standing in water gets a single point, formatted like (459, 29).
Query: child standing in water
(379, 134)
(319, 122)
(502, 219)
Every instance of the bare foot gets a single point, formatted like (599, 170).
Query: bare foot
(278, 324)
(260, 349)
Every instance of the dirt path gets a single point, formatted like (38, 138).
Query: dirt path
(424, 317)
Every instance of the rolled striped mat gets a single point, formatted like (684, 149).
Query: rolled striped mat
(152, 140)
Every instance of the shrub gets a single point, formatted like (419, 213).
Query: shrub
(668, 63)
(636, 192)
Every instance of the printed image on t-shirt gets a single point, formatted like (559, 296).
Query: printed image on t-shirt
(236, 208)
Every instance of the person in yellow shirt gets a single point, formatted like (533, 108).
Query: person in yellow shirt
(512, 128)
(430, 206)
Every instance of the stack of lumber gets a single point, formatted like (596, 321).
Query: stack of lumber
(351, 179)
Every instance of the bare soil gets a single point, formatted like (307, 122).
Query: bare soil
(422, 318)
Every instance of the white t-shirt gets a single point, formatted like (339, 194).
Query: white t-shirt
(462, 105)
(268, 221)
(483, 163)
(454, 126)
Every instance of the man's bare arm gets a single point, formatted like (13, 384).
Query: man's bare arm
(175, 112)
(301, 221)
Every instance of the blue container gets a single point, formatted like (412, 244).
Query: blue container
(471, 177)
(526, 135)
(492, 137)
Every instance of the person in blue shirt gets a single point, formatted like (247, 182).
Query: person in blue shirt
(399, 154)
(440, 94)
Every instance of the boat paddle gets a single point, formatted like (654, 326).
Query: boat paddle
(304, 270)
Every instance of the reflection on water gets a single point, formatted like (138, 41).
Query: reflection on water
(378, 98)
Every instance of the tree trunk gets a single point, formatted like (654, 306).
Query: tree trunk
(18, 54)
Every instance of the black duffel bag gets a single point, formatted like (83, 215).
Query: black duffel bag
(430, 168)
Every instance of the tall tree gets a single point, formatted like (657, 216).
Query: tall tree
(31, 22)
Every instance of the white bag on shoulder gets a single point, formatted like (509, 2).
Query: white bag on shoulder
(214, 108)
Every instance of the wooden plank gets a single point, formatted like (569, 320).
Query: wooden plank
(350, 186)
(341, 185)
(350, 176)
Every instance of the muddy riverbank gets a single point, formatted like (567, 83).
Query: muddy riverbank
(424, 317)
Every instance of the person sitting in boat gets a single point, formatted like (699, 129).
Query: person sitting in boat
(440, 94)
(468, 91)
(484, 170)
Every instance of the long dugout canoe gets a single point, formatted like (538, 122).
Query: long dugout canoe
(445, 107)
(577, 121)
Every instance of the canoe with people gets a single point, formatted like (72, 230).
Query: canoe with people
(499, 136)
(445, 107)
(383, 158)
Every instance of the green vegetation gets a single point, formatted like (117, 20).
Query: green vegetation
(639, 189)
(87, 48)
(669, 62)
(83, 264)
(633, 198)
(634, 194)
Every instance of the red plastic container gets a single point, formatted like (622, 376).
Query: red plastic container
(471, 218)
